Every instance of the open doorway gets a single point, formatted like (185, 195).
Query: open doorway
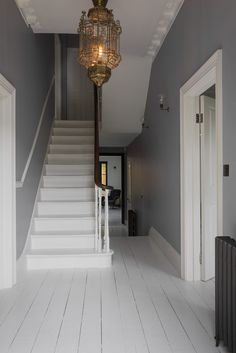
(112, 174)
(206, 130)
(201, 169)
(7, 185)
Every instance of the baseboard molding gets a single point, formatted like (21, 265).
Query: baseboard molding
(20, 183)
(172, 255)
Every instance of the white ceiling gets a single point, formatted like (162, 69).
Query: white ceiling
(145, 25)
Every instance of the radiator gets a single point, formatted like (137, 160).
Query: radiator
(225, 287)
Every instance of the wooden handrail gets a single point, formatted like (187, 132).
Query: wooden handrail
(97, 119)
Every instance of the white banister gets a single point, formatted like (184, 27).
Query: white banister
(96, 218)
(106, 225)
(102, 240)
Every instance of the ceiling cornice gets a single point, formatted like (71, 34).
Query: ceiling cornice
(28, 13)
(170, 13)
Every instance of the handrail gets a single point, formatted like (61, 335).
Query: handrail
(97, 119)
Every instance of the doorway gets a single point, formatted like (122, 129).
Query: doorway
(201, 169)
(7, 185)
(206, 130)
(112, 174)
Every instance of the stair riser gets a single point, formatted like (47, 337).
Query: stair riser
(70, 159)
(73, 123)
(72, 140)
(63, 262)
(49, 209)
(73, 131)
(69, 170)
(67, 242)
(68, 181)
(67, 194)
(60, 224)
(68, 149)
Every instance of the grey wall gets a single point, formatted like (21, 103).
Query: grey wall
(199, 30)
(27, 61)
(80, 101)
(77, 89)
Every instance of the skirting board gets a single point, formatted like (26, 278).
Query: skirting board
(172, 255)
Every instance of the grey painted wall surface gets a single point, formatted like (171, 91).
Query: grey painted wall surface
(77, 89)
(27, 61)
(201, 28)
(80, 100)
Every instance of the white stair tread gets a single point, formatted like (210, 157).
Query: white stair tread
(72, 177)
(78, 188)
(63, 234)
(67, 217)
(68, 169)
(67, 252)
(66, 161)
(74, 123)
(82, 156)
(65, 202)
(79, 153)
(70, 149)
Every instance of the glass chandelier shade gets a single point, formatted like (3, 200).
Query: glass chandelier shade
(99, 48)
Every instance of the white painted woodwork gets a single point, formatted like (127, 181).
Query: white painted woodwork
(71, 149)
(63, 230)
(73, 140)
(61, 259)
(56, 240)
(209, 74)
(74, 123)
(73, 131)
(172, 255)
(67, 194)
(68, 181)
(66, 223)
(139, 305)
(68, 169)
(208, 187)
(65, 208)
(70, 158)
(7, 184)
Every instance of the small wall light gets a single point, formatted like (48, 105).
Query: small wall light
(143, 123)
(163, 104)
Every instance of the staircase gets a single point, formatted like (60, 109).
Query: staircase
(63, 226)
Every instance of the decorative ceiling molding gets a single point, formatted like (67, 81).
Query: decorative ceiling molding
(28, 13)
(170, 13)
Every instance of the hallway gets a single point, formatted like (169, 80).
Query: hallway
(137, 306)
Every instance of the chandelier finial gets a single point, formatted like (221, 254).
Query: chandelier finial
(100, 3)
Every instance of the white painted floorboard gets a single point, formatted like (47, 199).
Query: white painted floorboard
(137, 306)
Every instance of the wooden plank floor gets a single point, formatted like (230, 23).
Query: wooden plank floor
(137, 306)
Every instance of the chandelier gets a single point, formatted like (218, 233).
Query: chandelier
(99, 48)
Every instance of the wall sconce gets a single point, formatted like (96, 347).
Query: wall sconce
(143, 123)
(163, 104)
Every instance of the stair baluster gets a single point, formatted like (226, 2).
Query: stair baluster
(102, 239)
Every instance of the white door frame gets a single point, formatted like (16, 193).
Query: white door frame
(7, 185)
(209, 74)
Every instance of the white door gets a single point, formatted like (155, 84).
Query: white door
(208, 186)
